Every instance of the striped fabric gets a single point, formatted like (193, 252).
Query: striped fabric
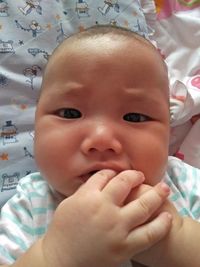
(26, 216)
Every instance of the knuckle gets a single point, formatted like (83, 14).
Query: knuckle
(151, 235)
(123, 180)
(144, 207)
(127, 176)
(91, 200)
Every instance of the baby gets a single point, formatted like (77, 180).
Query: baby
(101, 145)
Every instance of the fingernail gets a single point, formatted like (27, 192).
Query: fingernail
(141, 176)
(165, 187)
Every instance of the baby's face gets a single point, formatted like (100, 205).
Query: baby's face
(104, 105)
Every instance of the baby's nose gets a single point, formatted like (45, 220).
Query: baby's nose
(101, 138)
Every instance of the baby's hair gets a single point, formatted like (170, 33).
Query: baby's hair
(106, 29)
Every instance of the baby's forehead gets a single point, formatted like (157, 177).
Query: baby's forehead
(97, 45)
(78, 44)
(94, 43)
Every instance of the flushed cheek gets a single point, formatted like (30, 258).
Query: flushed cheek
(155, 169)
(50, 149)
(150, 157)
(54, 163)
(153, 166)
(48, 155)
(156, 166)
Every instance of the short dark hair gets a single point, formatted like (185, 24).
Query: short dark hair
(104, 29)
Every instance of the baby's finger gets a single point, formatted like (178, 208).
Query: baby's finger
(98, 180)
(147, 235)
(120, 186)
(137, 192)
(140, 210)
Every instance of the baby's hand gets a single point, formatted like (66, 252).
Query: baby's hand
(97, 227)
(154, 256)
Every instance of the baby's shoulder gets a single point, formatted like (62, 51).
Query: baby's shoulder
(33, 182)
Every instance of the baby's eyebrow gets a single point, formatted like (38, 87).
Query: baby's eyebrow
(62, 91)
(69, 88)
(148, 93)
(72, 87)
(141, 95)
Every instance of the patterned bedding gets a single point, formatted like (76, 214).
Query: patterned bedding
(31, 29)
(177, 33)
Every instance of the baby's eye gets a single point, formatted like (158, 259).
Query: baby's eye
(69, 113)
(136, 117)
